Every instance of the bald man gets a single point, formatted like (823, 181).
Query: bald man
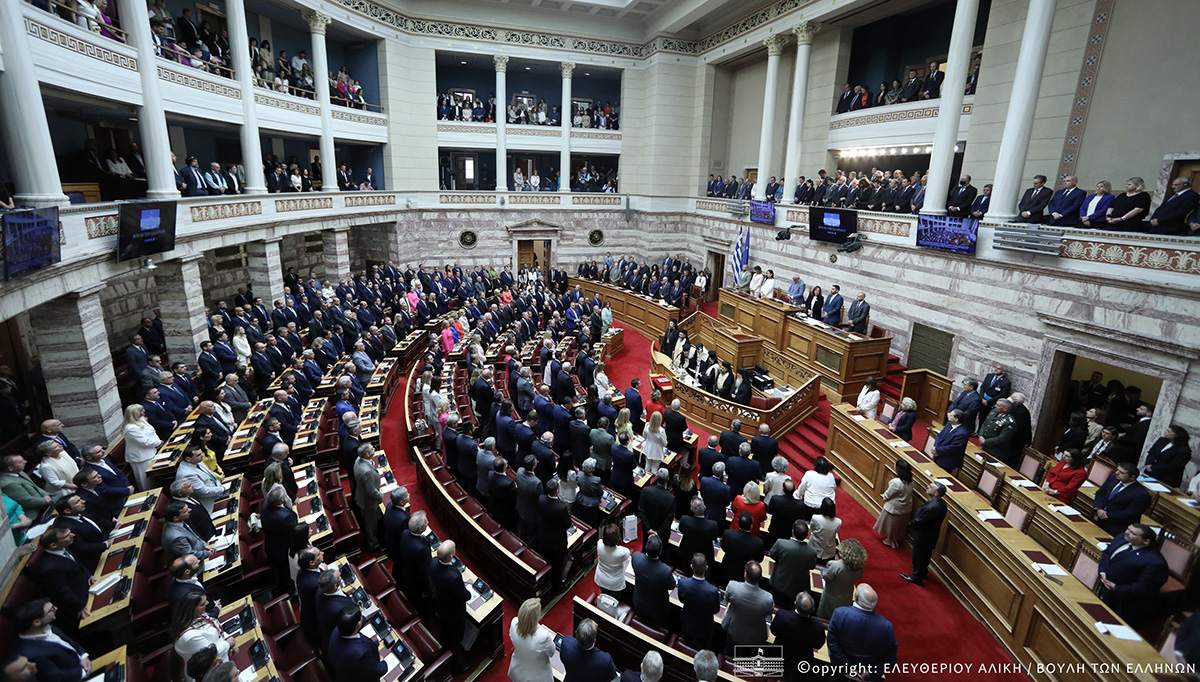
(860, 637)
(451, 596)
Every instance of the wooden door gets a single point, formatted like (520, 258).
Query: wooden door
(716, 266)
(1057, 384)
(525, 254)
(1189, 170)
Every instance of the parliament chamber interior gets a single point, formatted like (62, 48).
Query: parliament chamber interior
(773, 391)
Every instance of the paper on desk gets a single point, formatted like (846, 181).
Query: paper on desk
(994, 463)
(121, 532)
(989, 515)
(368, 630)
(946, 482)
(1157, 487)
(1088, 484)
(247, 675)
(859, 418)
(105, 583)
(134, 501)
(303, 482)
(389, 488)
(978, 456)
(1024, 483)
(213, 564)
(900, 444)
(223, 541)
(35, 532)
(1119, 631)
(1049, 569)
(392, 661)
(1065, 510)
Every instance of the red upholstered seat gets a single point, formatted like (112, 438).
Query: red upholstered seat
(760, 403)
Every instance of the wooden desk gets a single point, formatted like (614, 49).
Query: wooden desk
(843, 359)
(395, 672)
(988, 565)
(646, 315)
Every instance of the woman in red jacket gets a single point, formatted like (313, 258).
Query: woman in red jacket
(1064, 479)
(750, 501)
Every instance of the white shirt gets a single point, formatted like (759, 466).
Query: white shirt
(204, 631)
(141, 442)
(57, 472)
(816, 487)
(1091, 208)
(610, 567)
(868, 402)
(767, 288)
(531, 655)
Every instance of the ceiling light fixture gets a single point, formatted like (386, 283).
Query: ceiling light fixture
(464, 63)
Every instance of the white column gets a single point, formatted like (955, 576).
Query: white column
(564, 157)
(25, 129)
(791, 168)
(152, 117)
(501, 63)
(774, 50)
(320, 62)
(1022, 104)
(945, 136)
(251, 142)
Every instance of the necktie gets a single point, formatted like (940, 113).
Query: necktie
(1119, 487)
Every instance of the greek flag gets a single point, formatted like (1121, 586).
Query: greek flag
(741, 252)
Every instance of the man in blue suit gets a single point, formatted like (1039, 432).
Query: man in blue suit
(1121, 500)
(57, 656)
(354, 657)
(701, 601)
(1066, 202)
(158, 415)
(633, 401)
(328, 603)
(137, 356)
(61, 576)
(450, 597)
(741, 470)
(1131, 573)
(860, 637)
(582, 661)
(951, 443)
(832, 312)
(307, 578)
(969, 402)
(715, 493)
(183, 581)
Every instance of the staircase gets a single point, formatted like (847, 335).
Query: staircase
(893, 380)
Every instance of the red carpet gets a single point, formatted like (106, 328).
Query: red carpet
(931, 625)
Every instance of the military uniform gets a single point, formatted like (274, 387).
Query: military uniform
(996, 436)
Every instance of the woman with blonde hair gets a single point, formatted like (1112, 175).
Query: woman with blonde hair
(625, 423)
(273, 476)
(840, 576)
(655, 445)
(241, 344)
(603, 385)
(533, 645)
(749, 501)
(141, 443)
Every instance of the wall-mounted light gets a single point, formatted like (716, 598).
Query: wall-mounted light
(150, 264)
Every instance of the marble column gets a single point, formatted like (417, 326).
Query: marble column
(239, 43)
(181, 301)
(77, 362)
(501, 63)
(566, 111)
(320, 63)
(791, 168)
(152, 116)
(266, 270)
(1022, 105)
(774, 50)
(945, 135)
(336, 247)
(25, 129)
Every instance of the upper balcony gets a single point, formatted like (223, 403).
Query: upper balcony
(470, 135)
(909, 124)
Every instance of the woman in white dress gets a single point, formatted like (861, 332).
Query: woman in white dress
(141, 443)
(241, 344)
(533, 645)
(868, 398)
(193, 630)
(655, 445)
(224, 411)
(817, 485)
(611, 559)
(297, 180)
(825, 526)
(767, 289)
(603, 385)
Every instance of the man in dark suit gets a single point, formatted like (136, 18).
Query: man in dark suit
(846, 100)
(529, 489)
(716, 494)
(581, 660)
(451, 597)
(345, 180)
(932, 89)
(860, 310)
(542, 449)
(1065, 204)
(329, 602)
(485, 395)
(554, 520)
(708, 456)
(861, 638)
(1121, 501)
(395, 522)
(1132, 572)
(732, 439)
(353, 656)
(994, 387)
(307, 580)
(184, 580)
(56, 655)
(1023, 422)
(90, 539)
(653, 583)
(114, 487)
(799, 633)
(740, 546)
(701, 601)
(1171, 216)
(982, 203)
(764, 449)
(911, 91)
(740, 471)
(968, 401)
(580, 436)
(502, 495)
(414, 559)
(1032, 207)
(277, 523)
(657, 505)
(697, 533)
(198, 519)
(52, 430)
(926, 526)
(675, 424)
(633, 401)
(961, 198)
(785, 510)
(61, 576)
(193, 178)
(793, 560)
(1130, 443)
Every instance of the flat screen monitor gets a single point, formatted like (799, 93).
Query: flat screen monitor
(762, 212)
(146, 228)
(30, 240)
(833, 225)
(948, 233)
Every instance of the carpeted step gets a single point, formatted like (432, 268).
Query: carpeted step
(895, 368)
(810, 436)
(893, 358)
(890, 391)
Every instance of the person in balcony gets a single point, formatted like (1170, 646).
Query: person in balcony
(478, 114)
(1095, 207)
(973, 77)
(105, 24)
(912, 89)
(283, 71)
(1066, 203)
(866, 192)
(881, 98)
(116, 165)
(305, 82)
(1130, 208)
(893, 93)
(262, 58)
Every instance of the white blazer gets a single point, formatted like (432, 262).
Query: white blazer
(141, 442)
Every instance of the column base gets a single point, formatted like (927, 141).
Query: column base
(565, 190)
(939, 213)
(254, 190)
(162, 195)
(1002, 218)
(41, 200)
(500, 189)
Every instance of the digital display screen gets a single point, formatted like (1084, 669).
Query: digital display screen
(948, 233)
(146, 228)
(762, 212)
(833, 225)
(30, 240)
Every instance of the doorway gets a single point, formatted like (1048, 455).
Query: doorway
(533, 253)
(1070, 390)
(466, 171)
(1189, 169)
(715, 262)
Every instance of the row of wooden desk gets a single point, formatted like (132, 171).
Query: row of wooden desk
(991, 565)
